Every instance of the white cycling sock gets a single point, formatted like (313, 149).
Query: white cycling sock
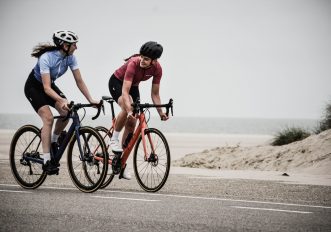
(115, 136)
(54, 138)
(46, 156)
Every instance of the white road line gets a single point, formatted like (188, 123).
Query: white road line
(41, 187)
(189, 197)
(59, 188)
(122, 198)
(222, 199)
(268, 209)
(11, 185)
(14, 191)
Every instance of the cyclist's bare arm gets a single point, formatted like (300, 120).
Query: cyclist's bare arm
(157, 101)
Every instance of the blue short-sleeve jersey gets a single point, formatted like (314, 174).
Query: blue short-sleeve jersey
(54, 63)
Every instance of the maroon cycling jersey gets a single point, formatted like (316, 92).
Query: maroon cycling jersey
(131, 71)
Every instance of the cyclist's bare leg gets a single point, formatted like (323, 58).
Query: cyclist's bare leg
(46, 116)
(122, 116)
(120, 120)
(60, 124)
(114, 144)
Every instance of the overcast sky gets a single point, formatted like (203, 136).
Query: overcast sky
(222, 58)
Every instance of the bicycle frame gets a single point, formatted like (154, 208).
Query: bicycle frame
(140, 130)
(74, 128)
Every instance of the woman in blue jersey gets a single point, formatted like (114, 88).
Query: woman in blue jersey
(41, 91)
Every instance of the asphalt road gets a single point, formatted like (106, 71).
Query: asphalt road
(185, 203)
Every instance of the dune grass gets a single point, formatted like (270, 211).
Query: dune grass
(325, 123)
(293, 134)
(289, 135)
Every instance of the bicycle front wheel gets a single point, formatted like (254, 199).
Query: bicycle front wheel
(151, 168)
(25, 149)
(87, 160)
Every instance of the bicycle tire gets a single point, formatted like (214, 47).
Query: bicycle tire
(26, 142)
(86, 172)
(106, 135)
(152, 173)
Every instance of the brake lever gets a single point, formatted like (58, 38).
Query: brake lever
(70, 106)
(171, 101)
(167, 111)
(100, 106)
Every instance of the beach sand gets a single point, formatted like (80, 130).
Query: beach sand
(183, 144)
(311, 156)
(239, 156)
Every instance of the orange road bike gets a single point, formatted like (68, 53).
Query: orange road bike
(151, 155)
(84, 144)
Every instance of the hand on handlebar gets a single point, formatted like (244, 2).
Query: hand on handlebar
(74, 107)
(164, 117)
(137, 108)
(96, 103)
(131, 115)
(64, 105)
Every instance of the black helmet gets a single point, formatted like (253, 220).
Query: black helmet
(152, 50)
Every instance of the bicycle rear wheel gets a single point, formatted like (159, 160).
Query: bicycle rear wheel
(152, 170)
(86, 169)
(106, 135)
(25, 146)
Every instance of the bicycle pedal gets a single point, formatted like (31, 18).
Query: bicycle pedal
(52, 172)
(56, 164)
(116, 171)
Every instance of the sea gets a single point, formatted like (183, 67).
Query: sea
(251, 126)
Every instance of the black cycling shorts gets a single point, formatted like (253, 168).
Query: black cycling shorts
(115, 89)
(34, 92)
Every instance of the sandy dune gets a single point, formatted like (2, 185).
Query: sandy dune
(311, 155)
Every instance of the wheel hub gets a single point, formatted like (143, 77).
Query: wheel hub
(153, 158)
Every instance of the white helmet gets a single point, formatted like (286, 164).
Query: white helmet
(64, 36)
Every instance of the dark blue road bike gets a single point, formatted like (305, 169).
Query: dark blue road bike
(84, 145)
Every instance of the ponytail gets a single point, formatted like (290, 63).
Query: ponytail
(135, 55)
(42, 48)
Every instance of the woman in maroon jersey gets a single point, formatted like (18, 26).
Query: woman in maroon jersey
(124, 88)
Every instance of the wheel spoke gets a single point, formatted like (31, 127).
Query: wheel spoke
(26, 143)
(86, 172)
(153, 172)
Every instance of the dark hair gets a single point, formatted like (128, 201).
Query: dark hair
(42, 48)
